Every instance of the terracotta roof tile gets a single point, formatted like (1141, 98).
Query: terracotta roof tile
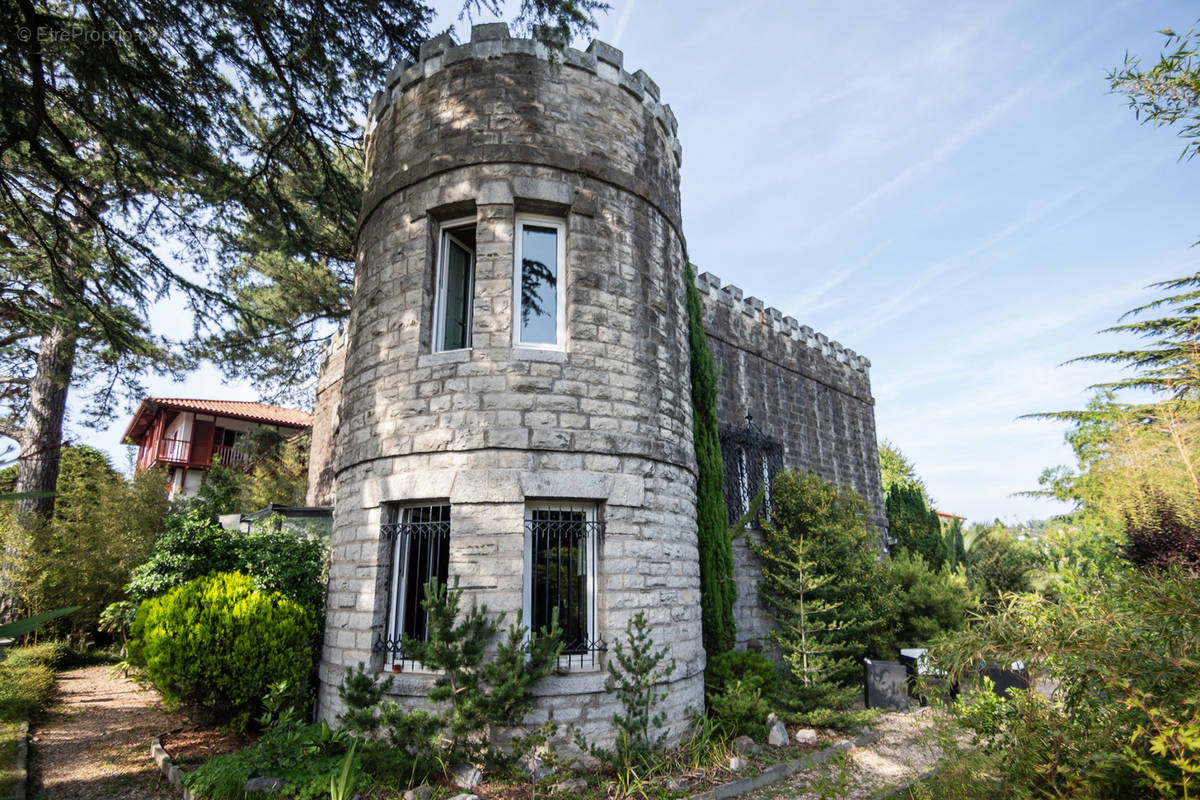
(238, 409)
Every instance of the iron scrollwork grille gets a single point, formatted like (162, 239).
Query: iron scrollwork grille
(751, 461)
(561, 546)
(420, 538)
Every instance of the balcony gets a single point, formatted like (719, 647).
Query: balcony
(179, 451)
(230, 456)
(174, 451)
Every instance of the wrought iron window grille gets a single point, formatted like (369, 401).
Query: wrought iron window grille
(751, 460)
(420, 537)
(561, 546)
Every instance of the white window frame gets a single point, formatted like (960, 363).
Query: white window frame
(591, 550)
(446, 231)
(397, 599)
(560, 225)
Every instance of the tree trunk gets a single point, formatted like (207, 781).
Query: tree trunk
(41, 440)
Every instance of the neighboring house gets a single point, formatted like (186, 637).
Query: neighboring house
(187, 436)
(947, 519)
(509, 406)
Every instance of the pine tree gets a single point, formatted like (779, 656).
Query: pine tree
(822, 584)
(718, 591)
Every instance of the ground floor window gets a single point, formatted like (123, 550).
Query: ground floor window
(420, 551)
(561, 543)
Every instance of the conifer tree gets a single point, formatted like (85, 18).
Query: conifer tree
(717, 588)
(221, 126)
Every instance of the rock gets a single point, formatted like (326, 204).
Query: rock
(778, 735)
(467, 777)
(465, 796)
(535, 768)
(574, 755)
(806, 736)
(422, 792)
(745, 746)
(570, 786)
(263, 785)
(737, 763)
(673, 785)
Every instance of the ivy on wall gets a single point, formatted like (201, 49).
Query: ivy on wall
(717, 588)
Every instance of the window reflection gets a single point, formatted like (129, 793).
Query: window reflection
(539, 285)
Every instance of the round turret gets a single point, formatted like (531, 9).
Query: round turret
(516, 407)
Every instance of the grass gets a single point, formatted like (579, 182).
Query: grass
(9, 732)
(27, 680)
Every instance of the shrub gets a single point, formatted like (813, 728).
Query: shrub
(741, 709)
(998, 565)
(1159, 536)
(217, 644)
(821, 583)
(751, 668)
(1125, 719)
(27, 679)
(193, 545)
(102, 527)
(925, 602)
(306, 757)
(477, 696)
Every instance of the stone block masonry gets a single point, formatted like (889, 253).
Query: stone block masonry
(483, 135)
(810, 394)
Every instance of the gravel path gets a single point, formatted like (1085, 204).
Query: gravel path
(95, 743)
(906, 748)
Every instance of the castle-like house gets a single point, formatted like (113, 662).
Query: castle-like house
(510, 403)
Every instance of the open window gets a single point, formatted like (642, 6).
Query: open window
(538, 284)
(455, 288)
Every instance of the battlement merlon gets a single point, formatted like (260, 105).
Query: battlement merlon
(774, 319)
(494, 39)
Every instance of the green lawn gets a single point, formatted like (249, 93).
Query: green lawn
(8, 758)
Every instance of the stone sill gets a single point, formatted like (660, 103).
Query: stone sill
(444, 357)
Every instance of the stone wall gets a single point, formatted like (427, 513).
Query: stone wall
(321, 474)
(486, 131)
(802, 390)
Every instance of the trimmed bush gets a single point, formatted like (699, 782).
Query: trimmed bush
(217, 645)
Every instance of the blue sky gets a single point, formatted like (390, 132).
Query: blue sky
(947, 188)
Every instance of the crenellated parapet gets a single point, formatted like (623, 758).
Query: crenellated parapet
(775, 320)
(493, 40)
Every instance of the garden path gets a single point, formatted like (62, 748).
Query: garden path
(94, 744)
(906, 748)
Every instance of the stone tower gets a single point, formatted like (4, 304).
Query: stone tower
(515, 409)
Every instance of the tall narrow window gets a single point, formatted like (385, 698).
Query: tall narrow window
(455, 286)
(560, 576)
(420, 537)
(538, 286)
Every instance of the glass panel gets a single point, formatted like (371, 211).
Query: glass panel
(559, 556)
(456, 301)
(422, 552)
(539, 285)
